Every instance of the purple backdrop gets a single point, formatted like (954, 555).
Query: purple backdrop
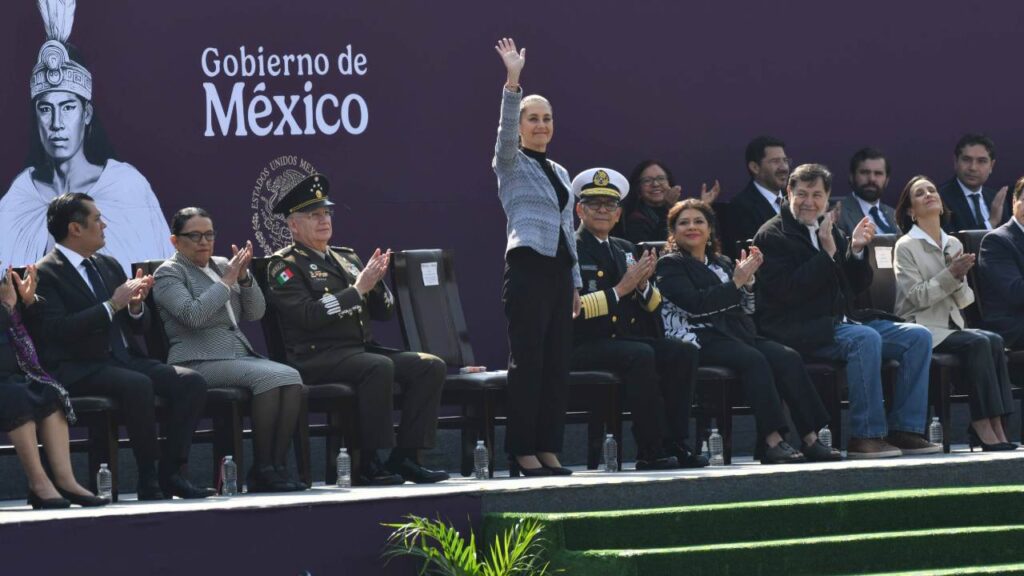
(688, 83)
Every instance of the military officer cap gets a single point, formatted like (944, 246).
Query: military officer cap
(600, 183)
(307, 195)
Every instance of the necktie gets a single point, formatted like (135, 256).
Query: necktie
(882, 226)
(99, 288)
(778, 204)
(979, 218)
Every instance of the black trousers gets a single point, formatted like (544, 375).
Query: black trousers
(133, 382)
(985, 371)
(767, 371)
(373, 372)
(537, 294)
(658, 376)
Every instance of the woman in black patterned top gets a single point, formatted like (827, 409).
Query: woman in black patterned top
(708, 301)
(33, 406)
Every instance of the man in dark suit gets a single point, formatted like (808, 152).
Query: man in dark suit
(619, 300)
(764, 195)
(85, 339)
(807, 287)
(972, 205)
(325, 299)
(869, 175)
(1001, 266)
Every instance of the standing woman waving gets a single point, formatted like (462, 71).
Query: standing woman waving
(542, 277)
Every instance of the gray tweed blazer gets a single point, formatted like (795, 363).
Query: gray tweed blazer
(192, 307)
(526, 194)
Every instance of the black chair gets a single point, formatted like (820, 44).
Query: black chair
(944, 367)
(973, 315)
(432, 321)
(335, 400)
(225, 407)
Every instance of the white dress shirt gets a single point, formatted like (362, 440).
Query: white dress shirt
(773, 198)
(981, 202)
(865, 208)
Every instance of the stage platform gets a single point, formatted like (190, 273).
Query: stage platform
(327, 531)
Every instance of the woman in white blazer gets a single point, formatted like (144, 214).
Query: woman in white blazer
(202, 299)
(931, 289)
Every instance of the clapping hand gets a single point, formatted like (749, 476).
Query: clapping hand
(514, 60)
(141, 291)
(825, 239)
(710, 196)
(747, 266)
(375, 269)
(26, 286)
(8, 296)
(245, 257)
(961, 264)
(863, 234)
(995, 211)
(636, 275)
(672, 195)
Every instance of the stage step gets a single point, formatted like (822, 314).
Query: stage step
(859, 533)
(999, 569)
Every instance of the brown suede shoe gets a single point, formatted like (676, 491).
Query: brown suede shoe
(863, 448)
(911, 443)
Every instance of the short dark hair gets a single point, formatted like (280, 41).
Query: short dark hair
(1018, 189)
(811, 173)
(975, 140)
(868, 153)
(181, 217)
(65, 209)
(709, 215)
(756, 148)
(903, 219)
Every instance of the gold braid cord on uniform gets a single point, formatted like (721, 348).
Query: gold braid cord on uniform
(655, 300)
(594, 304)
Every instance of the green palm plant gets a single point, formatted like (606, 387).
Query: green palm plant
(518, 551)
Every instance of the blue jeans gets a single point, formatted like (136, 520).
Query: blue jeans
(862, 347)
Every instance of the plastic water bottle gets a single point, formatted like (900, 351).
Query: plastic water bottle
(344, 469)
(825, 436)
(935, 431)
(611, 454)
(715, 443)
(705, 451)
(481, 469)
(105, 483)
(229, 477)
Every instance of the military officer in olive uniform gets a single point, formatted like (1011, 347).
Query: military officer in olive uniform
(325, 299)
(613, 332)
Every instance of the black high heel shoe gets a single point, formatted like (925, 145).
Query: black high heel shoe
(514, 469)
(974, 440)
(38, 503)
(83, 500)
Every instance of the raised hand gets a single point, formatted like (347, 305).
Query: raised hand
(8, 296)
(672, 195)
(144, 283)
(995, 211)
(961, 264)
(636, 274)
(374, 270)
(825, 239)
(514, 60)
(747, 266)
(709, 196)
(863, 234)
(26, 286)
(244, 258)
(126, 293)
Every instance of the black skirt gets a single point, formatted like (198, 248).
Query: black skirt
(22, 400)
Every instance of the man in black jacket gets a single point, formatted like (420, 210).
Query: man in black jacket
(764, 195)
(615, 330)
(972, 205)
(85, 339)
(805, 300)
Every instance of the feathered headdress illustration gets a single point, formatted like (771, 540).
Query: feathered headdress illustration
(55, 70)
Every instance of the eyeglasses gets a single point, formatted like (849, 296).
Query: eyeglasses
(598, 206)
(195, 237)
(648, 180)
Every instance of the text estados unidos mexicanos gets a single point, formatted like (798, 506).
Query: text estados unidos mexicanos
(263, 113)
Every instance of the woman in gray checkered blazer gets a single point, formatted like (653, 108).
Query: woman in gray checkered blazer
(201, 299)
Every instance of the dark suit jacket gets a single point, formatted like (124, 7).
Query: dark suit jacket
(1001, 270)
(694, 287)
(750, 210)
(646, 224)
(851, 214)
(72, 332)
(802, 294)
(602, 316)
(961, 213)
